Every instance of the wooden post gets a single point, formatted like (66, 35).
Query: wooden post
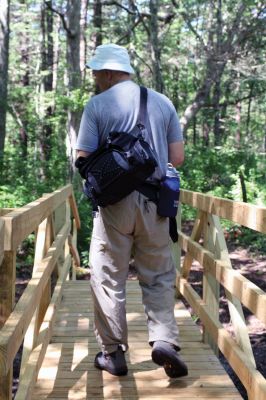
(7, 302)
(234, 305)
(76, 262)
(59, 221)
(44, 238)
(59, 217)
(8, 281)
(211, 287)
(76, 225)
(75, 256)
(2, 239)
(195, 235)
(67, 246)
(74, 209)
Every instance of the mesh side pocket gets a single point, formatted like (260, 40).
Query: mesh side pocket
(111, 166)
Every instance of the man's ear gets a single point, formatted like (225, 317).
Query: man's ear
(109, 75)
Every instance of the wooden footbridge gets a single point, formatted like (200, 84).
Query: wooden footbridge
(53, 319)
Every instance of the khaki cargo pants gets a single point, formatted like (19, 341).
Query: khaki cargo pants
(132, 225)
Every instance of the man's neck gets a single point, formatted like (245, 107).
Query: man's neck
(119, 79)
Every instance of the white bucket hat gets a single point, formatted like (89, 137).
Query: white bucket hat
(110, 56)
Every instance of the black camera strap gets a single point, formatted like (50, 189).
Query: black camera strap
(143, 117)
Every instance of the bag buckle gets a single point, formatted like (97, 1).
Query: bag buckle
(142, 130)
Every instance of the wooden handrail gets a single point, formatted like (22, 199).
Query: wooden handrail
(212, 255)
(32, 318)
(247, 292)
(23, 221)
(245, 214)
(4, 211)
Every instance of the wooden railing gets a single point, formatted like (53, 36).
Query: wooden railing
(31, 321)
(207, 246)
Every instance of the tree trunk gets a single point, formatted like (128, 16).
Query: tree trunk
(74, 76)
(155, 50)
(4, 52)
(223, 111)
(49, 48)
(47, 54)
(217, 114)
(131, 20)
(248, 131)
(217, 85)
(217, 55)
(194, 131)
(206, 134)
(238, 122)
(213, 74)
(73, 44)
(97, 23)
(25, 82)
(83, 42)
(56, 50)
(243, 186)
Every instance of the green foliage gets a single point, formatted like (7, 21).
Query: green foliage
(241, 236)
(216, 171)
(25, 252)
(22, 180)
(255, 241)
(188, 213)
(11, 197)
(75, 100)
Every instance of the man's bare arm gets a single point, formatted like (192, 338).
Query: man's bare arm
(176, 153)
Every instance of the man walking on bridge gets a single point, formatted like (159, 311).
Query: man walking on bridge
(131, 224)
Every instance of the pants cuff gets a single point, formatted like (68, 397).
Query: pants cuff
(111, 348)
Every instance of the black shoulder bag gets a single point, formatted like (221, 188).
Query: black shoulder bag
(120, 165)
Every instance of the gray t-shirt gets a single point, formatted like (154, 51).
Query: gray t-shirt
(116, 109)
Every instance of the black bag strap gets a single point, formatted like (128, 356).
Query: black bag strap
(143, 117)
(143, 105)
(149, 190)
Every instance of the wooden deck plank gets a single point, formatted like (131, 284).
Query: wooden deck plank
(68, 371)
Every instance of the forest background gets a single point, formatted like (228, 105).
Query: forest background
(208, 57)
